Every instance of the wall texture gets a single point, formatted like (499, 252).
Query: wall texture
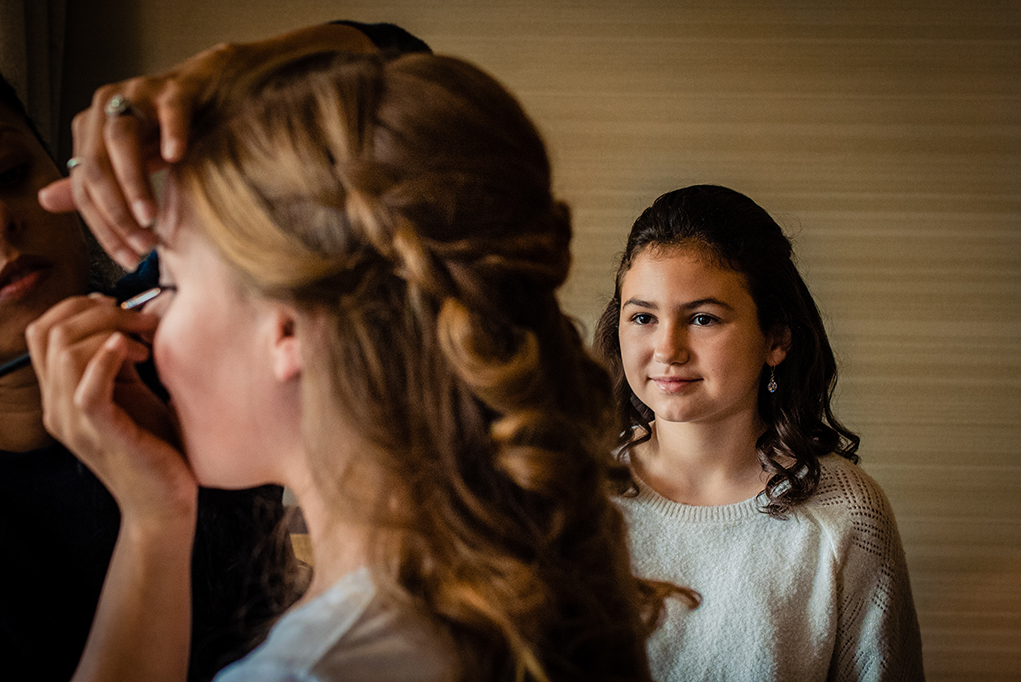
(886, 137)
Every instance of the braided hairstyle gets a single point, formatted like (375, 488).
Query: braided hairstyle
(406, 203)
(736, 233)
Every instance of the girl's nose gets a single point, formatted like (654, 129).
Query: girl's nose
(671, 346)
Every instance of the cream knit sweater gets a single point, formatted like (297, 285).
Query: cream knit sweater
(823, 595)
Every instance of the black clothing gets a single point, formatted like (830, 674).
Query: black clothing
(390, 39)
(58, 526)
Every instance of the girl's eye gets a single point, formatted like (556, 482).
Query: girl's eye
(702, 320)
(642, 318)
(13, 176)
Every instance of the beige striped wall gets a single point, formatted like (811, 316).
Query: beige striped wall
(885, 136)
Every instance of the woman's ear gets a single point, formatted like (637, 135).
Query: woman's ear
(286, 343)
(778, 342)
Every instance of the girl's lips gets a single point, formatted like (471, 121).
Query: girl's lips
(21, 276)
(673, 384)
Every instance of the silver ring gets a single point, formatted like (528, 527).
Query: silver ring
(73, 161)
(119, 105)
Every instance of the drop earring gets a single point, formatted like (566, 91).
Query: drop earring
(771, 386)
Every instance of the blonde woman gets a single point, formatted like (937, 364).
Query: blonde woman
(360, 260)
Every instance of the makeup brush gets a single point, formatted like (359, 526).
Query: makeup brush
(25, 359)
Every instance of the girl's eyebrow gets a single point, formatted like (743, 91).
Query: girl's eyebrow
(707, 301)
(639, 303)
(698, 303)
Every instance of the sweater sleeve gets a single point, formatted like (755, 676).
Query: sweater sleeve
(877, 628)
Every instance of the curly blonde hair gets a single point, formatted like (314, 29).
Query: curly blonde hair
(408, 203)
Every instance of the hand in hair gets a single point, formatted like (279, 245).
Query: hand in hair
(111, 186)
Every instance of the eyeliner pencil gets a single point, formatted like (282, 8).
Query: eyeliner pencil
(24, 360)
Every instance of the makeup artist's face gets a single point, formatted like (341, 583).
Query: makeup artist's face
(209, 350)
(43, 258)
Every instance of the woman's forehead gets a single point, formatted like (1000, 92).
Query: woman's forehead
(174, 209)
(8, 117)
(14, 130)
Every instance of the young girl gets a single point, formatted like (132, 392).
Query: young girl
(744, 484)
(360, 260)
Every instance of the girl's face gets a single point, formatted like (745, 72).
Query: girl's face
(211, 350)
(42, 255)
(690, 340)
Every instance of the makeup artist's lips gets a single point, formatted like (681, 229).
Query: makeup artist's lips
(674, 384)
(22, 275)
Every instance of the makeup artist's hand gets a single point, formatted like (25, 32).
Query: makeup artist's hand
(83, 351)
(117, 153)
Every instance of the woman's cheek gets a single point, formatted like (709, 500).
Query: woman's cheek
(171, 357)
(164, 355)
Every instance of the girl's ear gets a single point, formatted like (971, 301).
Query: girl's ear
(286, 343)
(778, 342)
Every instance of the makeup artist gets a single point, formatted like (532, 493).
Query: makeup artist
(58, 523)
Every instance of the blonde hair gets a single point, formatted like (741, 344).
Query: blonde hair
(408, 204)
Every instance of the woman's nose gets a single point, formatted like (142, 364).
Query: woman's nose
(8, 222)
(671, 346)
(10, 226)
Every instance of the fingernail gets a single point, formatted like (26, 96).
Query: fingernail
(171, 150)
(144, 212)
(127, 260)
(141, 243)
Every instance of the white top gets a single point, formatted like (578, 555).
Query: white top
(822, 595)
(345, 635)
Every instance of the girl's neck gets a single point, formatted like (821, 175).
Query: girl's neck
(703, 464)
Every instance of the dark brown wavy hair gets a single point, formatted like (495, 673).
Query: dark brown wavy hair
(407, 203)
(736, 233)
